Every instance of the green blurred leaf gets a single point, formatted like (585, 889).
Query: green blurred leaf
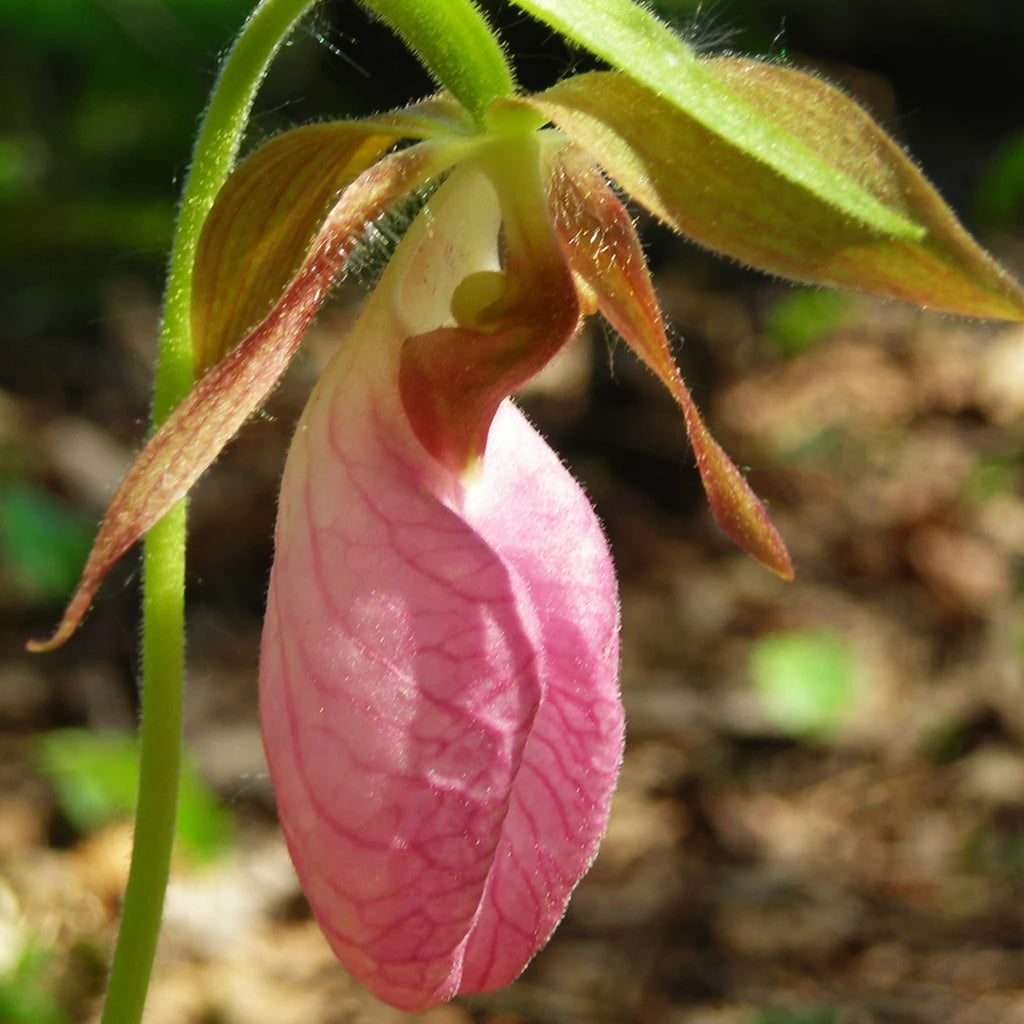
(101, 100)
(992, 476)
(96, 777)
(21, 161)
(797, 320)
(43, 543)
(205, 827)
(26, 989)
(999, 197)
(806, 681)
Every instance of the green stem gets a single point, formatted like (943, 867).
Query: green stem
(163, 600)
(453, 41)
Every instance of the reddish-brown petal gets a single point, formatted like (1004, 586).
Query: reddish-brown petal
(219, 404)
(602, 247)
(511, 323)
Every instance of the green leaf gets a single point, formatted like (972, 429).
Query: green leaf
(720, 195)
(27, 993)
(999, 197)
(96, 780)
(95, 777)
(43, 543)
(806, 681)
(633, 40)
(993, 476)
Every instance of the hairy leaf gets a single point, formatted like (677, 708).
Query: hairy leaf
(723, 197)
(653, 57)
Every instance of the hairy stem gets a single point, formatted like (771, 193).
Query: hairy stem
(164, 557)
(455, 44)
(453, 40)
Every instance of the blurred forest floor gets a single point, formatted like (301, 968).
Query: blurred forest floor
(820, 818)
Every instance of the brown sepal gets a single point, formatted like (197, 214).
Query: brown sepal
(194, 434)
(602, 247)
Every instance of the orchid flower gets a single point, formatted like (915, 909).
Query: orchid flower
(438, 679)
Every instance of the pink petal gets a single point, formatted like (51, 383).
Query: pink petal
(439, 670)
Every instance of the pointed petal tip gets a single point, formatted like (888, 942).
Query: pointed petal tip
(104, 553)
(45, 646)
(737, 509)
(784, 570)
(745, 521)
(60, 636)
(778, 560)
(601, 246)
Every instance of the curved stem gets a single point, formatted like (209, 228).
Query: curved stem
(453, 40)
(164, 557)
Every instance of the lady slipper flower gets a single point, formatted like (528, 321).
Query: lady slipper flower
(438, 680)
(438, 685)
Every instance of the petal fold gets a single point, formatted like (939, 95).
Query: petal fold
(511, 322)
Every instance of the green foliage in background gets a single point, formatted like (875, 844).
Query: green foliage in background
(96, 778)
(999, 197)
(796, 321)
(87, 162)
(993, 475)
(43, 544)
(806, 681)
(27, 995)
